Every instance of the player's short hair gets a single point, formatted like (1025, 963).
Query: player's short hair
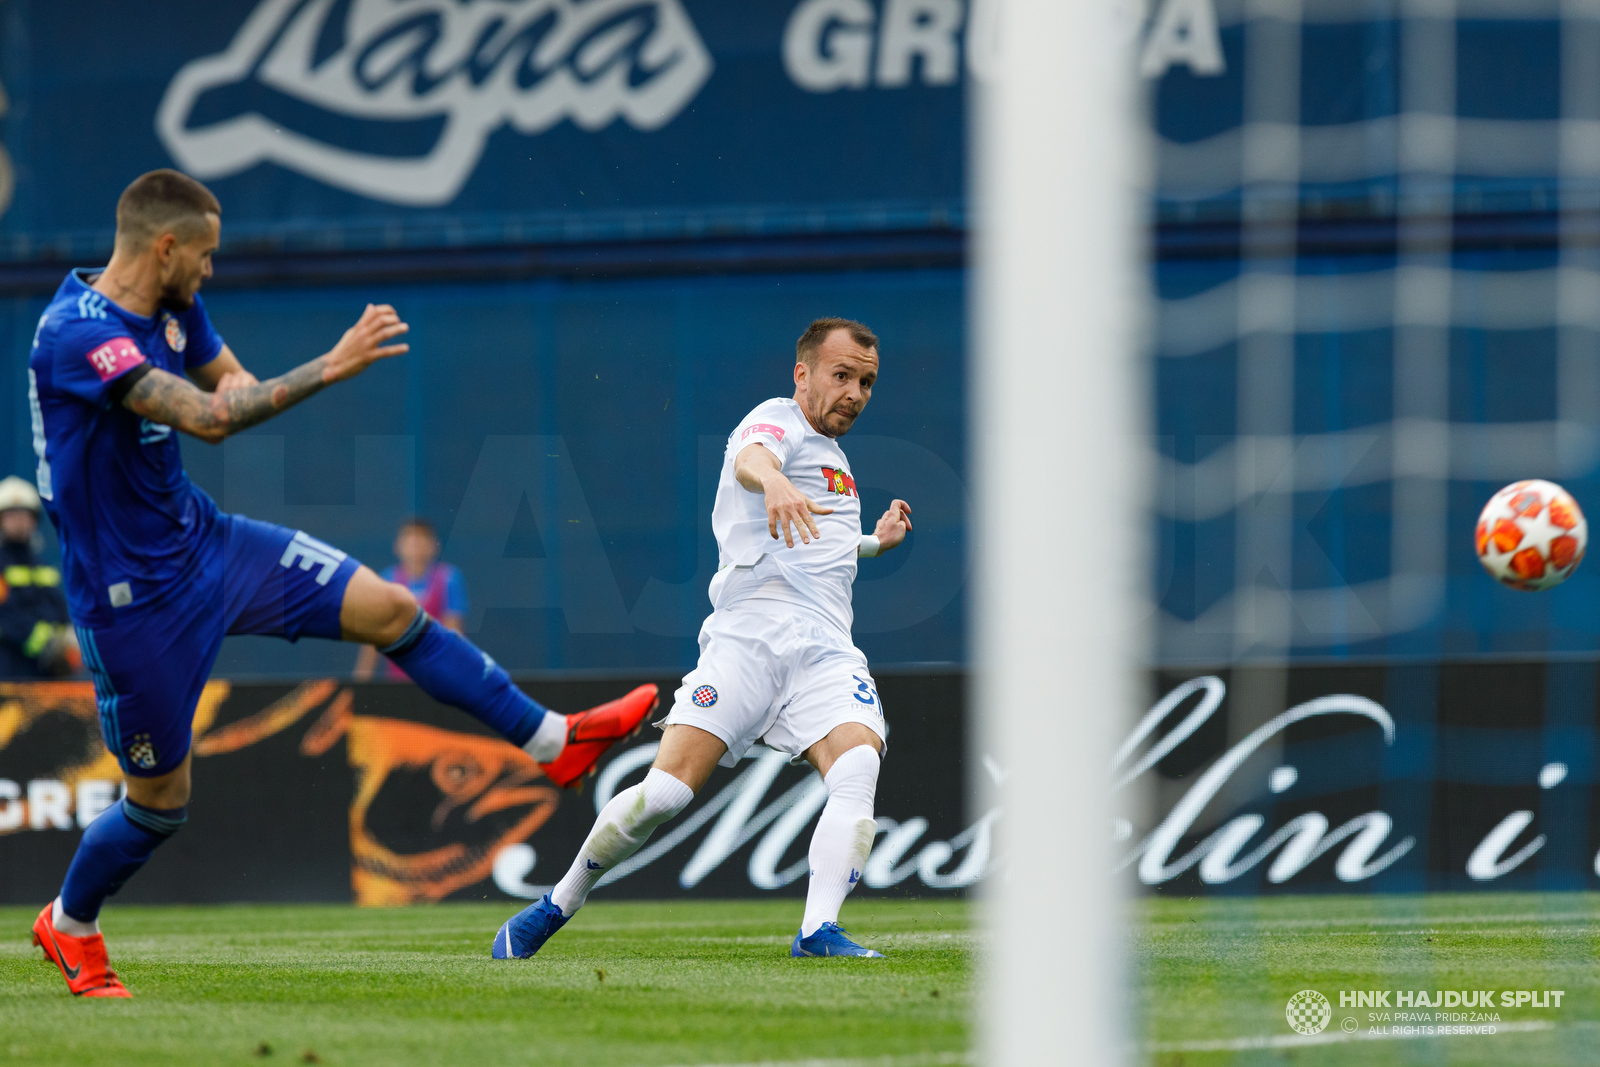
(163, 201)
(420, 525)
(805, 349)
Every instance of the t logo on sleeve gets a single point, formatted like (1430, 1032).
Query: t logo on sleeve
(762, 427)
(114, 357)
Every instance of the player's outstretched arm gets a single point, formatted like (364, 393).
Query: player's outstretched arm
(788, 509)
(173, 401)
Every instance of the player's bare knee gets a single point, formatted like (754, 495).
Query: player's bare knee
(402, 605)
(393, 610)
(164, 793)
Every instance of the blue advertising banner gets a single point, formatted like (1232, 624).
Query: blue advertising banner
(374, 123)
(423, 123)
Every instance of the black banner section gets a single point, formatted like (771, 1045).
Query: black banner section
(1370, 778)
(1367, 778)
(373, 793)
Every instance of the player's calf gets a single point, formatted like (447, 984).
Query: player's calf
(840, 845)
(114, 847)
(624, 824)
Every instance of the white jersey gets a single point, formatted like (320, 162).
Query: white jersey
(815, 578)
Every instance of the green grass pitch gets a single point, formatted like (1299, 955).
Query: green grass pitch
(685, 982)
(1218, 974)
(695, 982)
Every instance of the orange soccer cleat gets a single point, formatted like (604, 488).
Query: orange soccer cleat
(82, 960)
(591, 733)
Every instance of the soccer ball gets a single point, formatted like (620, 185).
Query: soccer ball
(1531, 535)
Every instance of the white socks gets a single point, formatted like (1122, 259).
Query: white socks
(844, 835)
(549, 739)
(70, 926)
(624, 825)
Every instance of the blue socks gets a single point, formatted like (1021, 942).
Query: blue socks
(453, 670)
(114, 846)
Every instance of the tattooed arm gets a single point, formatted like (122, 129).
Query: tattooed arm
(240, 402)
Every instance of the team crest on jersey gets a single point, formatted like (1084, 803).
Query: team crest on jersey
(176, 339)
(705, 696)
(839, 482)
(142, 753)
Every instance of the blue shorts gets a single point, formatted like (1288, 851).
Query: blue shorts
(150, 665)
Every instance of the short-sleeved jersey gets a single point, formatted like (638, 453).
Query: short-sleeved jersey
(129, 519)
(817, 576)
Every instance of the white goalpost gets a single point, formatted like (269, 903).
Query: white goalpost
(1058, 514)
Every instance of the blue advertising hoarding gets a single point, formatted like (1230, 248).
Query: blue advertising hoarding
(1374, 279)
(370, 123)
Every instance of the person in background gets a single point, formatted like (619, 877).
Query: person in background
(36, 638)
(437, 586)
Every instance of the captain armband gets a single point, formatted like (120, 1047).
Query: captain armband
(869, 546)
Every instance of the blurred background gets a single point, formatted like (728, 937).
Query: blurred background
(1372, 236)
(606, 224)
(1373, 240)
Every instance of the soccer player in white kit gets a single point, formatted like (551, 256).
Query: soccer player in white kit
(777, 663)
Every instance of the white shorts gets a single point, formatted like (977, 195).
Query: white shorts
(781, 679)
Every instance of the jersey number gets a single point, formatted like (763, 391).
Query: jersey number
(865, 692)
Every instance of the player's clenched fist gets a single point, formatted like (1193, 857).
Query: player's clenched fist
(365, 343)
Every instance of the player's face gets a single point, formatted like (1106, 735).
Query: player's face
(188, 265)
(833, 393)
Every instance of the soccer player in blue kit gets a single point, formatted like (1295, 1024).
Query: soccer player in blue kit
(156, 575)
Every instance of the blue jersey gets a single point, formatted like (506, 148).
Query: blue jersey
(130, 521)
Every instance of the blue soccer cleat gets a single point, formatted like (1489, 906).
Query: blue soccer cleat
(829, 940)
(526, 932)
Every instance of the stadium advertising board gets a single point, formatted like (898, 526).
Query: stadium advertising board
(335, 791)
(368, 123)
(1390, 778)
(1367, 778)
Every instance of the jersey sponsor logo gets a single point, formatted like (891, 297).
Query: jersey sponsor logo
(115, 356)
(91, 305)
(839, 482)
(451, 71)
(762, 427)
(308, 552)
(704, 697)
(177, 340)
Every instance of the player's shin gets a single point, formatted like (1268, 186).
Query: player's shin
(843, 837)
(623, 826)
(112, 850)
(453, 670)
